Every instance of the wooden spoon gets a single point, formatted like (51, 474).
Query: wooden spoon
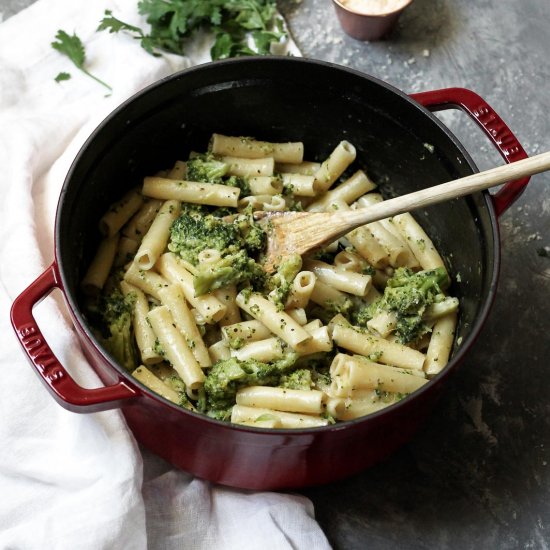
(302, 232)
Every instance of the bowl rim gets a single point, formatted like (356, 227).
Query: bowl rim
(373, 15)
(476, 327)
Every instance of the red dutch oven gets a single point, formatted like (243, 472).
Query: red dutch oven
(401, 145)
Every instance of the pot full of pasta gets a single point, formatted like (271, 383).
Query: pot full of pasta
(269, 378)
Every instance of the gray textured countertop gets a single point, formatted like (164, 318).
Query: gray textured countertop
(478, 474)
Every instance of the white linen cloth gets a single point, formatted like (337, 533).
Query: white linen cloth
(70, 481)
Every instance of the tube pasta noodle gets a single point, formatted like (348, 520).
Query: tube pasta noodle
(364, 241)
(302, 288)
(125, 251)
(189, 191)
(244, 147)
(275, 203)
(340, 279)
(209, 256)
(101, 265)
(227, 297)
(350, 409)
(219, 351)
(440, 344)
(145, 337)
(281, 399)
(326, 296)
(179, 171)
(316, 323)
(439, 309)
(250, 415)
(263, 350)
(208, 305)
(300, 184)
(249, 167)
(349, 261)
(199, 318)
(278, 322)
(178, 287)
(120, 212)
(389, 353)
(374, 198)
(419, 242)
(253, 201)
(147, 378)
(399, 253)
(268, 203)
(173, 298)
(265, 185)
(349, 374)
(176, 349)
(246, 331)
(140, 223)
(156, 239)
(306, 168)
(298, 314)
(148, 281)
(383, 323)
(348, 191)
(320, 342)
(333, 167)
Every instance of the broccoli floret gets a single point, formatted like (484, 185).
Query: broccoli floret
(298, 380)
(410, 328)
(191, 234)
(205, 168)
(364, 314)
(280, 283)
(235, 240)
(228, 375)
(408, 292)
(240, 182)
(253, 234)
(231, 269)
(196, 210)
(178, 385)
(116, 312)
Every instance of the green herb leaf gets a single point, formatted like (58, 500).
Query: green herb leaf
(114, 25)
(62, 76)
(174, 21)
(72, 47)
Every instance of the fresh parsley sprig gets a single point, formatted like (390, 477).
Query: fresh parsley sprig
(72, 47)
(232, 22)
(114, 25)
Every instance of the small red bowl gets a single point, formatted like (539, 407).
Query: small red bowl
(362, 26)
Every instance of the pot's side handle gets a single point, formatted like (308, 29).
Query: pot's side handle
(492, 125)
(58, 381)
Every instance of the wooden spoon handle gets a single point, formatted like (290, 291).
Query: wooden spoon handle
(447, 191)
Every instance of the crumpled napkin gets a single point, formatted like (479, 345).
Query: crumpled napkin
(71, 481)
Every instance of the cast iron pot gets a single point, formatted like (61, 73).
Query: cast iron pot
(278, 99)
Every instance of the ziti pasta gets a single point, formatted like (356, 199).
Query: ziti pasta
(177, 294)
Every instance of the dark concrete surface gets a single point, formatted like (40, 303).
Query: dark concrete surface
(478, 474)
